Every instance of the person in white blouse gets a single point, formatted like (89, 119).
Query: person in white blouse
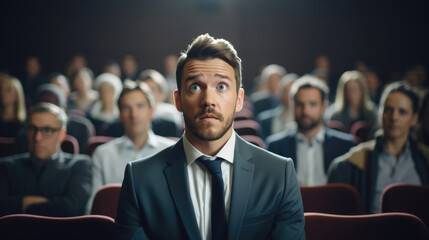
(136, 107)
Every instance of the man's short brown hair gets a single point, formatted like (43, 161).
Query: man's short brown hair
(205, 47)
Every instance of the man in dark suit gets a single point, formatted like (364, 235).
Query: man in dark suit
(211, 184)
(312, 146)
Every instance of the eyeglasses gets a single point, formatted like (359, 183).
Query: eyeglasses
(46, 131)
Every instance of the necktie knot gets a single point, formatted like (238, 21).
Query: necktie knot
(212, 165)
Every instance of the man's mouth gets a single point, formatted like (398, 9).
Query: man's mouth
(209, 116)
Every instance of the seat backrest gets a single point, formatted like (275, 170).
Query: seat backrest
(388, 226)
(413, 199)
(337, 125)
(361, 129)
(6, 146)
(25, 226)
(70, 145)
(336, 198)
(244, 114)
(106, 200)
(247, 127)
(94, 142)
(255, 140)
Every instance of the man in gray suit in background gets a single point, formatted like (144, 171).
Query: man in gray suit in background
(211, 184)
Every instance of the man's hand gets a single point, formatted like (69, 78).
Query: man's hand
(29, 200)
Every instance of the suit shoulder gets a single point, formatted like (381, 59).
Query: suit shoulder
(341, 136)
(357, 156)
(77, 159)
(157, 159)
(285, 136)
(263, 156)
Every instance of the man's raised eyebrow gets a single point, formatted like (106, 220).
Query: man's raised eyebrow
(193, 77)
(223, 76)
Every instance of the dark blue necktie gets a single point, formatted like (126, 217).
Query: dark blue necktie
(218, 218)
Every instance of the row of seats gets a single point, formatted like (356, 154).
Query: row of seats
(389, 226)
(330, 198)
(332, 211)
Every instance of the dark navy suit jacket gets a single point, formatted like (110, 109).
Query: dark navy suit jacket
(155, 202)
(336, 144)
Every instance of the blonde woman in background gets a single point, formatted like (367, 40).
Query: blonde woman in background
(352, 101)
(12, 106)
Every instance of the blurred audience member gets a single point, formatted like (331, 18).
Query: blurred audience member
(82, 95)
(159, 87)
(170, 64)
(12, 107)
(129, 68)
(352, 102)
(361, 66)
(422, 131)
(61, 81)
(105, 110)
(374, 86)
(113, 68)
(416, 77)
(34, 78)
(79, 127)
(312, 146)
(392, 157)
(268, 99)
(282, 117)
(136, 104)
(77, 62)
(45, 181)
(322, 70)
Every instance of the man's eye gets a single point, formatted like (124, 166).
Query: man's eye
(194, 87)
(222, 86)
(46, 130)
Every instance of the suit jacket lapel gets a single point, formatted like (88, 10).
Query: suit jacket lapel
(241, 187)
(177, 179)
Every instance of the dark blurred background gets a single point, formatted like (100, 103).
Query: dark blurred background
(390, 36)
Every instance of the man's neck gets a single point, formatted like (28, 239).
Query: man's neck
(209, 148)
(311, 133)
(140, 140)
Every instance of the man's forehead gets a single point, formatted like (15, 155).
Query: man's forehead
(208, 64)
(134, 96)
(47, 119)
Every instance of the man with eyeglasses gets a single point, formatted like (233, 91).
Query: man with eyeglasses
(45, 181)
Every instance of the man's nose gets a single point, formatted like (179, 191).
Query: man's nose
(208, 98)
(37, 135)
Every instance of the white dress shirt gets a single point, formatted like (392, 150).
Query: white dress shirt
(109, 160)
(200, 186)
(310, 163)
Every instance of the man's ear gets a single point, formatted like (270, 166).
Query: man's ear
(177, 101)
(325, 105)
(240, 100)
(152, 112)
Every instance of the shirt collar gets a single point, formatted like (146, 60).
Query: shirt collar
(152, 141)
(226, 153)
(37, 162)
(404, 151)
